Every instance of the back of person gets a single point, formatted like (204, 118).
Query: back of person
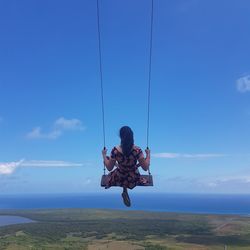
(126, 155)
(130, 160)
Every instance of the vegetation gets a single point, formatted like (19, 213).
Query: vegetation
(107, 229)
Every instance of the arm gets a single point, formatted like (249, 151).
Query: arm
(145, 162)
(108, 161)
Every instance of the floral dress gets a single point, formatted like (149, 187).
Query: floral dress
(126, 174)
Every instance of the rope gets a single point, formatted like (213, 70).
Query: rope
(101, 78)
(149, 70)
(101, 75)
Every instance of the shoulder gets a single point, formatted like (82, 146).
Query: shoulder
(137, 149)
(118, 148)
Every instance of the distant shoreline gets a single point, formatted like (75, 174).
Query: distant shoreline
(24, 213)
(6, 220)
(173, 203)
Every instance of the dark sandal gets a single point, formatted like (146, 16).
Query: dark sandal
(126, 199)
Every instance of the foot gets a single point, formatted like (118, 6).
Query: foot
(126, 199)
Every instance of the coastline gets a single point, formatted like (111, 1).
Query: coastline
(229, 204)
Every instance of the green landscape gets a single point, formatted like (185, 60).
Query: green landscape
(95, 229)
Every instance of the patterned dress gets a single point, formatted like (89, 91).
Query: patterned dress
(126, 174)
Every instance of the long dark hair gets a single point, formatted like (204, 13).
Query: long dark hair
(127, 139)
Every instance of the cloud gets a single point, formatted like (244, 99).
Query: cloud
(228, 179)
(227, 184)
(178, 155)
(59, 127)
(243, 84)
(166, 155)
(37, 133)
(88, 181)
(50, 164)
(8, 168)
(214, 184)
(64, 124)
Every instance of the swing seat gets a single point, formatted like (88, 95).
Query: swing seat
(146, 180)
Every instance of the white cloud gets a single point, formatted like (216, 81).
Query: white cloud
(7, 168)
(166, 155)
(72, 124)
(243, 84)
(237, 178)
(50, 164)
(87, 181)
(178, 155)
(230, 184)
(212, 184)
(59, 127)
(237, 183)
(37, 133)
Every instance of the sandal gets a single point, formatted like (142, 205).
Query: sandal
(126, 199)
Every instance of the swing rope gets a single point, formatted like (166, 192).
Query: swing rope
(149, 70)
(101, 79)
(101, 75)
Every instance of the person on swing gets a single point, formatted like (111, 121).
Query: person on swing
(125, 157)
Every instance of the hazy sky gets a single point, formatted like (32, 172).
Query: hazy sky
(50, 109)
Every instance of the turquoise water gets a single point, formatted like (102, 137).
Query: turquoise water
(10, 220)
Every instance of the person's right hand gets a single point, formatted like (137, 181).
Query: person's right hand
(104, 152)
(147, 151)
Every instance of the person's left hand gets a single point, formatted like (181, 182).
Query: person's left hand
(104, 152)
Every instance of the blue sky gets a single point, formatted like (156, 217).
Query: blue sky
(50, 107)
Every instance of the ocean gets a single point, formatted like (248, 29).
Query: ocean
(181, 203)
(11, 220)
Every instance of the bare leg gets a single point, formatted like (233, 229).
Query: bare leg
(125, 197)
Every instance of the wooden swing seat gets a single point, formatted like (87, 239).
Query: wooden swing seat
(146, 180)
